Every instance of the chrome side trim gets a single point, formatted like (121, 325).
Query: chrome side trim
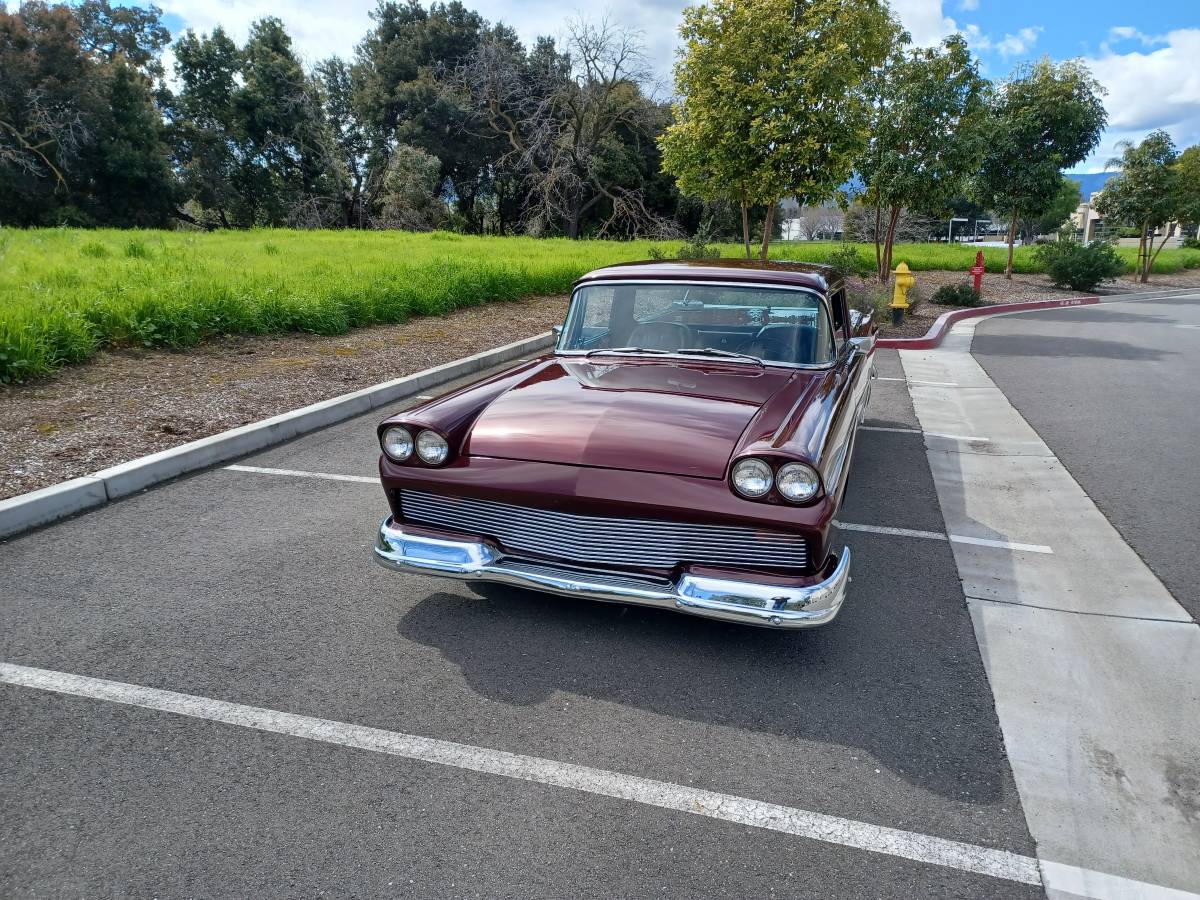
(747, 602)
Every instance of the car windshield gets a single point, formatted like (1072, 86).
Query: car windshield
(748, 323)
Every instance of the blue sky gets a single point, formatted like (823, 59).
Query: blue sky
(1146, 54)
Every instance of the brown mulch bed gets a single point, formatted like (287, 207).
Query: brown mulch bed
(997, 290)
(126, 403)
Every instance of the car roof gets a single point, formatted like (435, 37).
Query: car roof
(751, 271)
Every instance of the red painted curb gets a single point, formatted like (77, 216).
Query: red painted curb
(941, 327)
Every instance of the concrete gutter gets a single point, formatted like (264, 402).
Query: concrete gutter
(941, 327)
(58, 501)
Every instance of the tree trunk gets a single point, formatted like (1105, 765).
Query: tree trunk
(1012, 238)
(746, 227)
(889, 241)
(768, 225)
(1144, 255)
(1154, 254)
(880, 269)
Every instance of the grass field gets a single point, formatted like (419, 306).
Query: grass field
(66, 292)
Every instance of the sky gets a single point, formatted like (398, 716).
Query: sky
(1148, 57)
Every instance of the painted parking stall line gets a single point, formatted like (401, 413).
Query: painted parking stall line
(928, 849)
(925, 383)
(295, 473)
(934, 434)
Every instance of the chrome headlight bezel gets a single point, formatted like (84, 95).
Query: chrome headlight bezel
(755, 467)
(401, 433)
(437, 446)
(810, 478)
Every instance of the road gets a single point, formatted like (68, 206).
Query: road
(1114, 390)
(257, 589)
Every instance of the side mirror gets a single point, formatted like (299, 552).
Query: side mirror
(556, 330)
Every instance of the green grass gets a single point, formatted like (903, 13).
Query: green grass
(64, 293)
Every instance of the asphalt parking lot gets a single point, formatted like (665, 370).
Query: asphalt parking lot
(258, 589)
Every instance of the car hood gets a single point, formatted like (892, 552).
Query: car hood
(674, 418)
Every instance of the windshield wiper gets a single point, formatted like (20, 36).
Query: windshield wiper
(624, 350)
(713, 351)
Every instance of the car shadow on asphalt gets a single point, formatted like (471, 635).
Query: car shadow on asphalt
(912, 696)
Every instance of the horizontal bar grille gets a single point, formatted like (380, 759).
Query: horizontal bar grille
(643, 543)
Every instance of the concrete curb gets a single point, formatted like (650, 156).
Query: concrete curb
(58, 501)
(941, 327)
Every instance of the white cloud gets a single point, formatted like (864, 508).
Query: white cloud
(968, 5)
(1129, 33)
(1148, 90)
(924, 20)
(1019, 43)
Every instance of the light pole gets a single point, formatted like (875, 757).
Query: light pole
(950, 233)
(977, 221)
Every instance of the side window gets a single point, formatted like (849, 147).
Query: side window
(841, 328)
(825, 348)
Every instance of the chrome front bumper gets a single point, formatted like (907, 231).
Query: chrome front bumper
(748, 602)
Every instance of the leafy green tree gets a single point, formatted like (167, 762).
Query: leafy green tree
(204, 126)
(1188, 168)
(927, 135)
(1045, 119)
(81, 141)
(410, 196)
(1148, 193)
(132, 32)
(774, 100)
(1064, 202)
(351, 141)
(403, 93)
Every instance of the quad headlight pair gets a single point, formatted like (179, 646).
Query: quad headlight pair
(795, 481)
(431, 448)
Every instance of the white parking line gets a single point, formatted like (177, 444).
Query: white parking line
(926, 383)
(259, 470)
(939, 536)
(936, 434)
(895, 532)
(665, 795)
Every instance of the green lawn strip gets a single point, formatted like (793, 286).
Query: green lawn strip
(64, 293)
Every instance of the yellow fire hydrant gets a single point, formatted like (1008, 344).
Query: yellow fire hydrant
(904, 282)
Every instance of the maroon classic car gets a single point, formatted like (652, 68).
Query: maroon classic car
(685, 446)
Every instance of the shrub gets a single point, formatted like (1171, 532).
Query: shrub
(847, 261)
(1190, 244)
(699, 245)
(1080, 266)
(955, 295)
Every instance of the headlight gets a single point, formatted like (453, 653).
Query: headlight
(797, 482)
(397, 442)
(432, 448)
(752, 478)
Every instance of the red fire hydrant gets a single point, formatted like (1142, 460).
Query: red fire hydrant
(977, 271)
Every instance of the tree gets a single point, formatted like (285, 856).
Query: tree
(410, 192)
(562, 116)
(1045, 119)
(1188, 168)
(204, 126)
(351, 143)
(1056, 214)
(81, 141)
(773, 99)
(926, 138)
(404, 93)
(1147, 193)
